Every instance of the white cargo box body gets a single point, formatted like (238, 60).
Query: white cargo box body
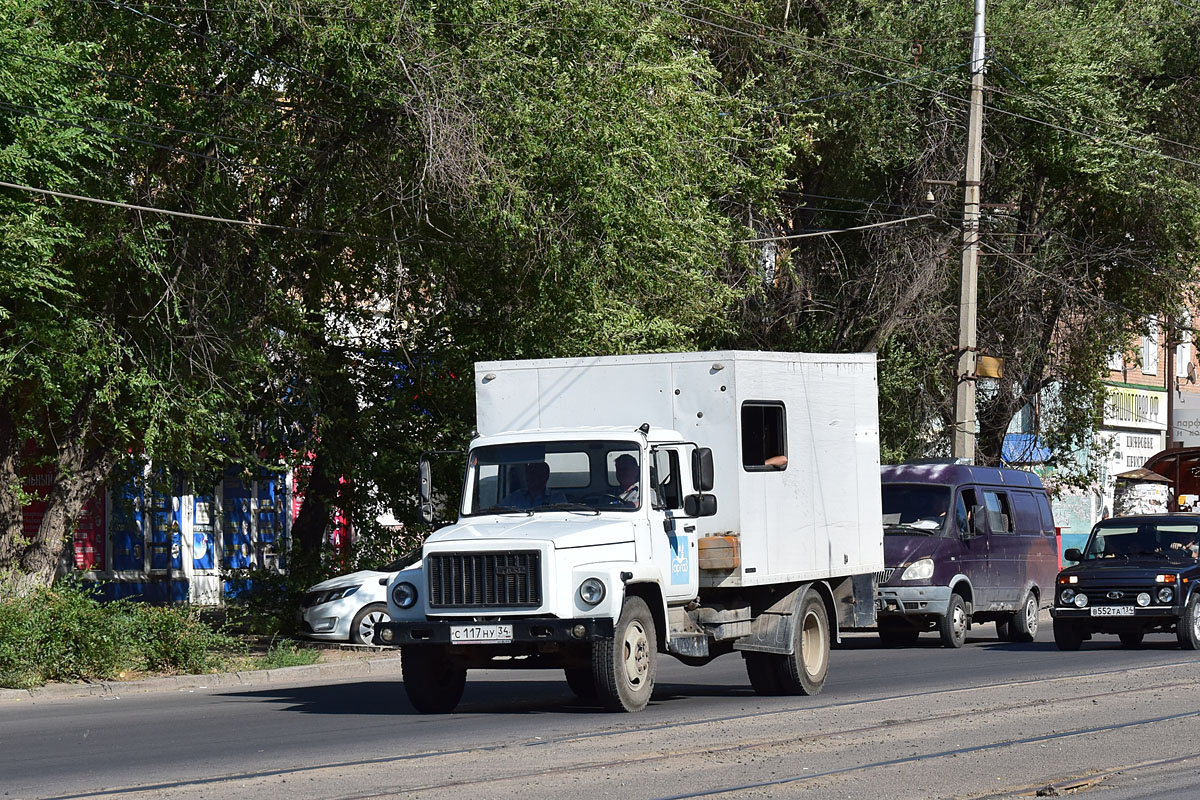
(820, 517)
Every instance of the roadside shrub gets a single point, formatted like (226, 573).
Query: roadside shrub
(64, 633)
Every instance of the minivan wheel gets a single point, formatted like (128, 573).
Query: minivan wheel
(953, 626)
(1024, 624)
(1187, 630)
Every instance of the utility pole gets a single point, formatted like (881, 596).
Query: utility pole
(964, 401)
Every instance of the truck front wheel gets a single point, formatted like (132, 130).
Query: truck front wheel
(803, 672)
(623, 667)
(432, 683)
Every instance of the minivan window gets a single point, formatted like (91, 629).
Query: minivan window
(999, 514)
(963, 510)
(914, 509)
(1028, 518)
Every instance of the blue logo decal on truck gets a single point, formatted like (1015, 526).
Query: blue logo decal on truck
(679, 560)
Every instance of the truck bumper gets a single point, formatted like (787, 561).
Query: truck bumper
(912, 601)
(525, 631)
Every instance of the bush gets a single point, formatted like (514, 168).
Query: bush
(66, 633)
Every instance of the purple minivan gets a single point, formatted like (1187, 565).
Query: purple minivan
(962, 545)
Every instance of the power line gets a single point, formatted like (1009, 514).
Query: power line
(832, 232)
(204, 217)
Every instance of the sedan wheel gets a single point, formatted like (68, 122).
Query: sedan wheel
(362, 629)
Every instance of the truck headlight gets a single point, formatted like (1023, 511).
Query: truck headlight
(591, 591)
(404, 594)
(921, 570)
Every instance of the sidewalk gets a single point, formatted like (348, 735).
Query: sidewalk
(346, 662)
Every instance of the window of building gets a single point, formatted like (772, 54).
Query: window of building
(1150, 348)
(764, 435)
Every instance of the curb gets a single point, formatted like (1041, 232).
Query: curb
(360, 668)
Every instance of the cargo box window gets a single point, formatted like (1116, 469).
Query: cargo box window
(764, 436)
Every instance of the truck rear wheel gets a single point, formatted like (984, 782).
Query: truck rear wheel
(623, 667)
(432, 683)
(761, 669)
(803, 672)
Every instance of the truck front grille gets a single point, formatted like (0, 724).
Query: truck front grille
(484, 580)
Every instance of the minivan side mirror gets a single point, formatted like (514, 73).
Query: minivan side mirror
(702, 469)
(1072, 554)
(425, 489)
(700, 505)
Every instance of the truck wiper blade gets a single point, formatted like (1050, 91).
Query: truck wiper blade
(503, 510)
(566, 507)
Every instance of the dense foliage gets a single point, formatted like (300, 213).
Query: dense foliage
(371, 196)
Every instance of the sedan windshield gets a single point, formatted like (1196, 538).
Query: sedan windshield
(914, 509)
(1168, 540)
(578, 475)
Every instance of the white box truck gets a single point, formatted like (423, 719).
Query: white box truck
(616, 508)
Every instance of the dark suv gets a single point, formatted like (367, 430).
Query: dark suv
(1136, 575)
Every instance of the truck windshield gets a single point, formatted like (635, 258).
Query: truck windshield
(576, 475)
(1168, 540)
(911, 509)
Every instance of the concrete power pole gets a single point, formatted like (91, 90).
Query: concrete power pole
(964, 401)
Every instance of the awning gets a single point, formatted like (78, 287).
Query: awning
(1024, 448)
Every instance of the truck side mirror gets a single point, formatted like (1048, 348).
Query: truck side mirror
(702, 469)
(700, 505)
(1072, 554)
(425, 489)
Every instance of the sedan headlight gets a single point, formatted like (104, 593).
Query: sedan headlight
(591, 591)
(921, 570)
(329, 595)
(404, 594)
(1165, 594)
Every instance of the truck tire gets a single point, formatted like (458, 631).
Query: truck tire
(581, 682)
(803, 672)
(764, 677)
(432, 683)
(1187, 630)
(1067, 634)
(1023, 626)
(953, 626)
(623, 667)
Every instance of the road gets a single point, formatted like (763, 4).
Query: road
(990, 720)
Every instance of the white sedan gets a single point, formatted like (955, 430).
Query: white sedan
(348, 607)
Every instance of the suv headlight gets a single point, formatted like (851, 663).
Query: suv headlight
(1066, 596)
(404, 594)
(591, 591)
(921, 570)
(1165, 594)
